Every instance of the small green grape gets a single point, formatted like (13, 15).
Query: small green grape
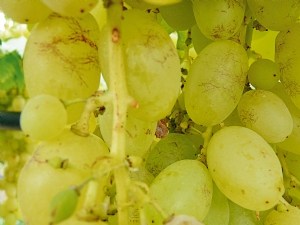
(43, 117)
(263, 74)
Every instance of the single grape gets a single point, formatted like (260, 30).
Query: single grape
(183, 188)
(199, 40)
(259, 109)
(290, 215)
(67, 53)
(245, 168)
(40, 179)
(25, 11)
(263, 74)
(287, 54)
(219, 19)
(151, 62)
(179, 16)
(218, 213)
(43, 117)
(215, 83)
(139, 134)
(268, 13)
(292, 142)
(170, 149)
(71, 7)
(242, 216)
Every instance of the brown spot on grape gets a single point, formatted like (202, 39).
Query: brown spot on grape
(115, 35)
(267, 202)
(243, 191)
(82, 10)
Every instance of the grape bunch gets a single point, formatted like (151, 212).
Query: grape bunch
(147, 112)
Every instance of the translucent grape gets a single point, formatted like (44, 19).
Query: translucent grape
(287, 55)
(215, 82)
(290, 216)
(259, 109)
(67, 53)
(276, 14)
(151, 62)
(245, 168)
(218, 213)
(183, 188)
(199, 40)
(71, 7)
(263, 74)
(179, 16)
(139, 134)
(43, 117)
(242, 216)
(40, 179)
(172, 148)
(219, 19)
(292, 142)
(25, 11)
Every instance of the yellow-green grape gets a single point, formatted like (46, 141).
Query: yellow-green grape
(215, 83)
(40, 180)
(287, 55)
(219, 19)
(218, 213)
(290, 215)
(67, 53)
(183, 188)
(242, 216)
(263, 74)
(151, 62)
(43, 117)
(170, 149)
(160, 3)
(275, 14)
(139, 134)
(63, 205)
(259, 109)
(179, 16)
(183, 219)
(245, 168)
(71, 7)
(199, 40)
(99, 13)
(292, 142)
(25, 11)
(139, 4)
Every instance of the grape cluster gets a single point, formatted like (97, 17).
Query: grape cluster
(199, 122)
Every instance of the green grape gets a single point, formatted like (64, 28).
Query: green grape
(215, 82)
(170, 149)
(293, 162)
(199, 40)
(100, 14)
(219, 19)
(179, 16)
(263, 74)
(63, 205)
(40, 180)
(25, 11)
(139, 134)
(259, 109)
(287, 55)
(142, 174)
(183, 188)
(71, 7)
(275, 14)
(245, 168)
(242, 216)
(183, 219)
(218, 213)
(233, 119)
(139, 4)
(151, 62)
(67, 53)
(290, 215)
(292, 142)
(43, 117)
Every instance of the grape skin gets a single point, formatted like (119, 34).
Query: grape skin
(43, 117)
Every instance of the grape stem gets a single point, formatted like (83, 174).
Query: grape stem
(206, 137)
(121, 100)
